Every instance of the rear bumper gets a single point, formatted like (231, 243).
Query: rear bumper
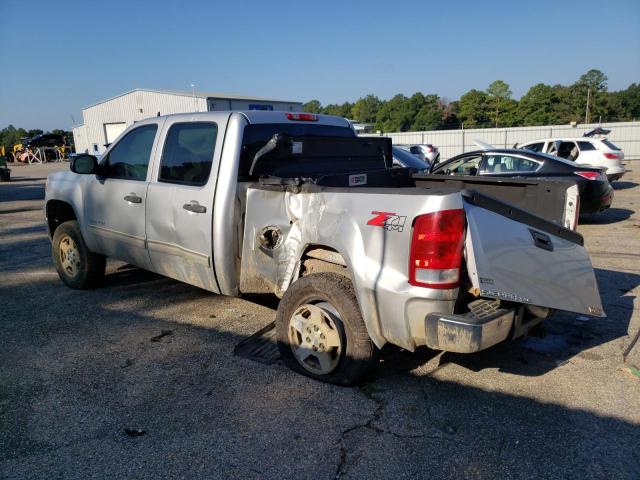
(616, 172)
(468, 334)
(596, 199)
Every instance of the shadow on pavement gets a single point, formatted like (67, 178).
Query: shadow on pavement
(610, 215)
(622, 185)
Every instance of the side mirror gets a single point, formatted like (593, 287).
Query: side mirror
(84, 164)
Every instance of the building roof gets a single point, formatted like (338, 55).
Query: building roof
(226, 96)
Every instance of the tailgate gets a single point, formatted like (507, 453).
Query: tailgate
(516, 256)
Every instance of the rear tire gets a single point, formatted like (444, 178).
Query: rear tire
(77, 266)
(320, 330)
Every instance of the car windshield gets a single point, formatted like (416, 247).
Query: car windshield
(409, 159)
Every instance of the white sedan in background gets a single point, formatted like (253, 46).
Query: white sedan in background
(427, 152)
(598, 152)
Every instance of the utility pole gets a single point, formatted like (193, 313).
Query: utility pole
(586, 113)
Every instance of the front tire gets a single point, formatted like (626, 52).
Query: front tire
(77, 266)
(320, 330)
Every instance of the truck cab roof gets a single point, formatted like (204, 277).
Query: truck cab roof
(262, 116)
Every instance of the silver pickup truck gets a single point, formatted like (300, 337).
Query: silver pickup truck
(360, 253)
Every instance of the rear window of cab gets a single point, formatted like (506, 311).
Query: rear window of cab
(255, 136)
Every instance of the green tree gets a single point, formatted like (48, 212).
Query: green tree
(594, 79)
(343, 110)
(592, 86)
(428, 118)
(312, 106)
(537, 106)
(429, 113)
(472, 109)
(631, 101)
(498, 101)
(366, 109)
(394, 115)
(11, 135)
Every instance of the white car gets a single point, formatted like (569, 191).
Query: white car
(427, 152)
(598, 152)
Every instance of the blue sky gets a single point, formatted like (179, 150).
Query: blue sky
(58, 57)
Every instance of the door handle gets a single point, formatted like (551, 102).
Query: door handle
(194, 207)
(541, 240)
(132, 198)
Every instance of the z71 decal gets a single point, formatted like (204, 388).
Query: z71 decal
(388, 221)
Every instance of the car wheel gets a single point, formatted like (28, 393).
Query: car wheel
(77, 266)
(320, 330)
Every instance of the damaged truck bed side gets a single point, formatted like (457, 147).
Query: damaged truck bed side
(361, 254)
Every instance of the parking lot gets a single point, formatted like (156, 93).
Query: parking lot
(138, 379)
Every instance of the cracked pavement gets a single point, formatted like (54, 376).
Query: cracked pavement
(154, 356)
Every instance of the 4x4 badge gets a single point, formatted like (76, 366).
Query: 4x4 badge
(388, 221)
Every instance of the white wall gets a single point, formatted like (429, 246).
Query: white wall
(452, 142)
(140, 104)
(132, 107)
(80, 138)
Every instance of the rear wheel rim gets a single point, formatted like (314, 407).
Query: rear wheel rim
(69, 256)
(315, 340)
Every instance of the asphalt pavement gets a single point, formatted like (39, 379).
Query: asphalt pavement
(137, 379)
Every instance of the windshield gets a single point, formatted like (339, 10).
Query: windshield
(409, 159)
(256, 135)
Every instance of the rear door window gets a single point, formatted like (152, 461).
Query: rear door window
(188, 153)
(568, 150)
(586, 146)
(534, 147)
(508, 164)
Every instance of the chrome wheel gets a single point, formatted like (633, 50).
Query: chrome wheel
(69, 256)
(314, 339)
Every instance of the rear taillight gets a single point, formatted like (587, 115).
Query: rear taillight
(436, 249)
(302, 117)
(611, 156)
(590, 175)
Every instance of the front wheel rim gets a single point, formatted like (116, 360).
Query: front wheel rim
(69, 256)
(314, 337)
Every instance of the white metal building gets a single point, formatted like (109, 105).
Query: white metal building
(105, 120)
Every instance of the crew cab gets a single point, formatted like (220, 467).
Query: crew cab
(360, 253)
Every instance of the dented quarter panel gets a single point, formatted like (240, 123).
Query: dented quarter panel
(377, 257)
